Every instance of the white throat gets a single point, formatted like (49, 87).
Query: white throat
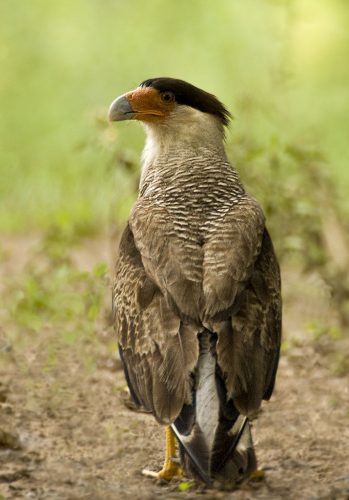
(186, 129)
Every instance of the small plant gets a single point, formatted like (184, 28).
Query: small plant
(52, 293)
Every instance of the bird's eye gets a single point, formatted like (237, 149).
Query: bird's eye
(167, 97)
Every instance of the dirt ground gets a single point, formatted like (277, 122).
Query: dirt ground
(66, 433)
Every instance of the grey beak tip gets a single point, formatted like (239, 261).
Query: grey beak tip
(120, 109)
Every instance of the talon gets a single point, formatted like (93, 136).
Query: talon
(170, 469)
(150, 473)
(168, 472)
(257, 475)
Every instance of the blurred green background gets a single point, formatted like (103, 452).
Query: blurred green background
(68, 179)
(281, 67)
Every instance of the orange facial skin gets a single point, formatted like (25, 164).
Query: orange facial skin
(148, 104)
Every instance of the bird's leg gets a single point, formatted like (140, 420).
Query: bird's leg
(170, 468)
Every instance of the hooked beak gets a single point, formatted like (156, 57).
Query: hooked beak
(121, 109)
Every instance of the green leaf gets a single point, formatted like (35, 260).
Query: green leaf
(185, 486)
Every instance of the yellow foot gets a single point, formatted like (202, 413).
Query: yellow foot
(170, 469)
(168, 472)
(257, 475)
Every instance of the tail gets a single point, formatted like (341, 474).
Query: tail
(215, 440)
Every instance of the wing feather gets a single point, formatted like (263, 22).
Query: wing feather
(158, 351)
(173, 263)
(230, 255)
(249, 342)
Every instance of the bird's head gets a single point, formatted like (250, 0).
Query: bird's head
(164, 103)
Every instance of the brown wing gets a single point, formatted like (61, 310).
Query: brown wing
(249, 343)
(230, 254)
(158, 351)
(234, 274)
(173, 260)
(202, 277)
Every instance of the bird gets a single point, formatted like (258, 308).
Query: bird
(197, 290)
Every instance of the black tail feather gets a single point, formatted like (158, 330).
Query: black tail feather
(215, 440)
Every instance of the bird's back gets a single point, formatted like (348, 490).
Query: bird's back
(198, 230)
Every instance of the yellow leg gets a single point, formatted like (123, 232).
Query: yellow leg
(170, 469)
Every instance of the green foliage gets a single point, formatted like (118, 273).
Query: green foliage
(295, 189)
(325, 339)
(340, 364)
(186, 485)
(52, 291)
(279, 66)
(321, 331)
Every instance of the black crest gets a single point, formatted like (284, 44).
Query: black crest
(188, 94)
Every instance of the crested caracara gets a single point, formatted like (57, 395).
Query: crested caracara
(196, 297)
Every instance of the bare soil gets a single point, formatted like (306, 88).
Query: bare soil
(66, 432)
